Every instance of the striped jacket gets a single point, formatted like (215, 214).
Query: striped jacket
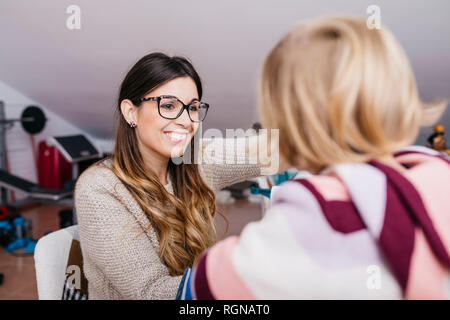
(357, 231)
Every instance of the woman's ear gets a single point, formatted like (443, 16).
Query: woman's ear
(129, 111)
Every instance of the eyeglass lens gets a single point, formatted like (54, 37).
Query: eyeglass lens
(171, 107)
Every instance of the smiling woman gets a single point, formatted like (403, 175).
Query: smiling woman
(164, 129)
(144, 219)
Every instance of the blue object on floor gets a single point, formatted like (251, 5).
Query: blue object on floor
(5, 225)
(27, 243)
(21, 239)
(31, 245)
(263, 191)
(17, 244)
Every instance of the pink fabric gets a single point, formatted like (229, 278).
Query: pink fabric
(414, 237)
(330, 187)
(415, 158)
(219, 266)
(426, 271)
(341, 215)
(426, 275)
(434, 192)
(411, 199)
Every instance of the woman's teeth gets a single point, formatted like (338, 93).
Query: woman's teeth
(176, 137)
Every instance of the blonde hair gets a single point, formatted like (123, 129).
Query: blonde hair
(341, 92)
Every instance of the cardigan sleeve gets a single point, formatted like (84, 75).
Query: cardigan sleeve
(226, 161)
(119, 260)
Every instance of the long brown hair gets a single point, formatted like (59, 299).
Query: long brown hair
(184, 221)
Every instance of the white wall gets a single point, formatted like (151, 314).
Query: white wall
(19, 145)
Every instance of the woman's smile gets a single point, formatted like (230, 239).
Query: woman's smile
(176, 136)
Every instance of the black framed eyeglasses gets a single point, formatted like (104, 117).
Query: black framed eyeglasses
(170, 107)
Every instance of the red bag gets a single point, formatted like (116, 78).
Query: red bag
(53, 169)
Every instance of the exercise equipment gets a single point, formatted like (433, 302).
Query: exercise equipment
(66, 218)
(16, 233)
(53, 168)
(33, 119)
(6, 232)
(34, 191)
(74, 148)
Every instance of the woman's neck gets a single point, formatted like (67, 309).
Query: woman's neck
(156, 164)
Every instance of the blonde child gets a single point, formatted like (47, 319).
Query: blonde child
(374, 219)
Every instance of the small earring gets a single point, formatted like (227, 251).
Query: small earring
(132, 124)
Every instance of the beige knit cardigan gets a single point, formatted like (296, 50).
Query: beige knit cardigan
(120, 261)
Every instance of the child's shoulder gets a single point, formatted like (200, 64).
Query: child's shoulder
(416, 155)
(426, 167)
(333, 183)
(321, 187)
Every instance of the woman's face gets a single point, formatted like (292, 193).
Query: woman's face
(157, 136)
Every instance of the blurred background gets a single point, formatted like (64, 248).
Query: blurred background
(73, 76)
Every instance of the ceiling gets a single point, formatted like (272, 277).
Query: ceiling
(76, 73)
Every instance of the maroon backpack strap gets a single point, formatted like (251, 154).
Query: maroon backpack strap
(341, 215)
(412, 202)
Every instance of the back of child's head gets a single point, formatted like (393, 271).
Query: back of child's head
(341, 92)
